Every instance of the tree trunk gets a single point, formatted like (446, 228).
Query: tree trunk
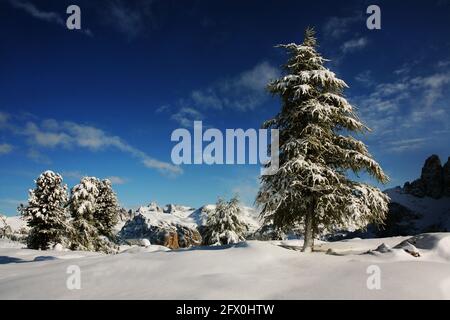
(308, 243)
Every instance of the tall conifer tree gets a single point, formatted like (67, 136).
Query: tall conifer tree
(311, 187)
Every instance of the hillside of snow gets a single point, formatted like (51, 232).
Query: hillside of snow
(15, 222)
(431, 212)
(191, 217)
(249, 270)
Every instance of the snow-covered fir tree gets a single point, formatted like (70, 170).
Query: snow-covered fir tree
(45, 212)
(223, 225)
(311, 187)
(5, 228)
(107, 212)
(83, 207)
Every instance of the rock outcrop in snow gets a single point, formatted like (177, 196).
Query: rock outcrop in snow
(419, 207)
(176, 226)
(422, 205)
(434, 181)
(446, 172)
(412, 215)
(171, 230)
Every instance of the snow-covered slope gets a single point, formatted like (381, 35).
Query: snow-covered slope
(433, 213)
(193, 217)
(16, 223)
(248, 215)
(249, 270)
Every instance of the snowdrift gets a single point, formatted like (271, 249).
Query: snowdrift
(249, 270)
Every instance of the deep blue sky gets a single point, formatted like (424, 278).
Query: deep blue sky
(103, 101)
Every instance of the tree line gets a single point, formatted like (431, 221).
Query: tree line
(83, 220)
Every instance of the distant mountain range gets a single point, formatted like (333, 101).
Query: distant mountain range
(418, 207)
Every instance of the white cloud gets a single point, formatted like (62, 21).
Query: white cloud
(336, 27)
(354, 45)
(32, 10)
(48, 16)
(78, 175)
(186, 116)
(247, 91)
(399, 146)
(5, 148)
(443, 63)
(433, 84)
(163, 108)
(365, 78)
(73, 174)
(244, 92)
(257, 78)
(52, 134)
(207, 98)
(43, 138)
(130, 18)
(402, 110)
(117, 180)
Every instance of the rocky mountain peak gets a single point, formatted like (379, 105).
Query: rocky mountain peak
(446, 174)
(434, 181)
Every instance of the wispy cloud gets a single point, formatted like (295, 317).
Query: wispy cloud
(40, 14)
(354, 45)
(66, 134)
(163, 108)
(5, 148)
(344, 33)
(77, 175)
(130, 18)
(400, 146)
(117, 180)
(365, 78)
(37, 13)
(186, 116)
(433, 85)
(402, 111)
(243, 92)
(337, 27)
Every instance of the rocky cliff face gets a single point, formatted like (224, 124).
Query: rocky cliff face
(166, 229)
(176, 226)
(446, 170)
(420, 206)
(434, 181)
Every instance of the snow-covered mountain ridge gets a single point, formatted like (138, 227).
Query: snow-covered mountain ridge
(176, 226)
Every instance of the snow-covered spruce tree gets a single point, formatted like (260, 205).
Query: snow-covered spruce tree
(5, 228)
(106, 214)
(311, 187)
(83, 206)
(45, 212)
(223, 225)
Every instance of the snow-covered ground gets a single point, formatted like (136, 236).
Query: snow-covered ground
(249, 270)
